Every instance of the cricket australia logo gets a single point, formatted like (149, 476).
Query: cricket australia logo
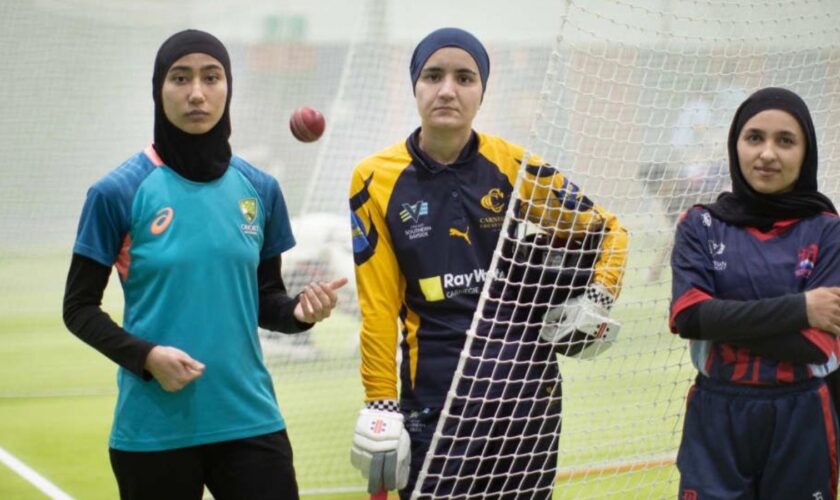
(413, 212)
(807, 260)
(248, 207)
(494, 201)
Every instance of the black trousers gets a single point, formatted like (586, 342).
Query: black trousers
(258, 468)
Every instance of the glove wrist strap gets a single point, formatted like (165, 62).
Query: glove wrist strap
(383, 405)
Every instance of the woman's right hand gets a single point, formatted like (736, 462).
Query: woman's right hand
(823, 308)
(172, 368)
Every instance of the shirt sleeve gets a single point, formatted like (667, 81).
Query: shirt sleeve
(556, 204)
(278, 228)
(380, 286)
(104, 222)
(276, 307)
(84, 317)
(692, 271)
(826, 272)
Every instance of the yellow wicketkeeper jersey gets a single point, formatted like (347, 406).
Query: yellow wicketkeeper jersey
(423, 239)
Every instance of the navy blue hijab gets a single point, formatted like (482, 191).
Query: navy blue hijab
(745, 206)
(450, 37)
(198, 157)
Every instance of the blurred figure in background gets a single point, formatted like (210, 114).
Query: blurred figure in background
(691, 170)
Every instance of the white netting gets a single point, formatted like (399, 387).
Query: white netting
(635, 109)
(630, 99)
(76, 102)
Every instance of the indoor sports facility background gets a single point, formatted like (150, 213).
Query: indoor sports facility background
(631, 99)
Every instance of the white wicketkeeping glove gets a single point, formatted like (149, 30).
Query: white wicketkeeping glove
(582, 326)
(381, 450)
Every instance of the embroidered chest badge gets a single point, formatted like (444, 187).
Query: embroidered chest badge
(494, 200)
(413, 212)
(248, 208)
(807, 260)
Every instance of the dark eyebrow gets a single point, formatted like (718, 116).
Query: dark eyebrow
(189, 68)
(763, 132)
(432, 69)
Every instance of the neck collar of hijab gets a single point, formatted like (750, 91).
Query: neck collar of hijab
(197, 157)
(450, 37)
(745, 206)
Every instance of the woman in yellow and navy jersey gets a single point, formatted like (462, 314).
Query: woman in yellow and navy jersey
(427, 214)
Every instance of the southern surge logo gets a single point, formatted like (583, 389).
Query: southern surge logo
(413, 211)
(451, 285)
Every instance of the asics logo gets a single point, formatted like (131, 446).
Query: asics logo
(162, 220)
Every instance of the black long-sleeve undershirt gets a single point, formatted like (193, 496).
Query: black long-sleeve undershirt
(767, 327)
(276, 307)
(84, 317)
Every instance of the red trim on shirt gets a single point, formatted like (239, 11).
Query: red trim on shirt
(123, 261)
(830, 434)
(742, 363)
(784, 371)
(710, 360)
(826, 342)
(779, 227)
(688, 299)
(756, 370)
(727, 354)
(153, 156)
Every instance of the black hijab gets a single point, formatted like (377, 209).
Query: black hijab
(198, 157)
(745, 206)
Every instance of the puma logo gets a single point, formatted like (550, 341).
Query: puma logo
(460, 234)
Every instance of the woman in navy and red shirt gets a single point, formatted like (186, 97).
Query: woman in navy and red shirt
(755, 278)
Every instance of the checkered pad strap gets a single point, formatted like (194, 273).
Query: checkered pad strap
(383, 405)
(598, 294)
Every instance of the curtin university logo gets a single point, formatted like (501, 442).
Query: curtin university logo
(162, 220)
(248, 207)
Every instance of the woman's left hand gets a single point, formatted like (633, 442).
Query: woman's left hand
(318, 300)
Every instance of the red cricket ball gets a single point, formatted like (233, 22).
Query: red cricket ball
(307, 124)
